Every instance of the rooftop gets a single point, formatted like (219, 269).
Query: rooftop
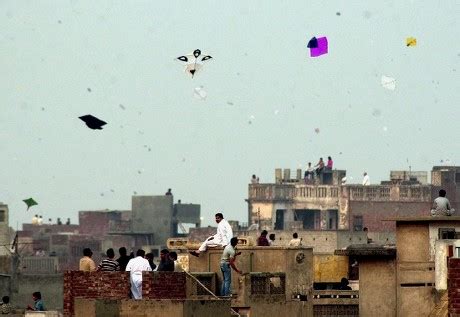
(423, 219)
(368, 250)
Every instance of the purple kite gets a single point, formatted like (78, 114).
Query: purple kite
(318, 46)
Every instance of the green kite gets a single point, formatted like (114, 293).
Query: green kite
(30, 202)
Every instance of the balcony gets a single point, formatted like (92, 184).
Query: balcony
(287, 192)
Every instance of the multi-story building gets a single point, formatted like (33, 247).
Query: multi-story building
(327, 203)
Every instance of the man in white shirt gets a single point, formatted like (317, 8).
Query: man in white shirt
(136, 266)
(366, 180)
(295, 241)
(441, 205)
(220, 239)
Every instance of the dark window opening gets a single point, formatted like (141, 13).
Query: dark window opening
(357, 223)
(447, 233)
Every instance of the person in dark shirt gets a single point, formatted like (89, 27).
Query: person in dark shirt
(149, 257)
(123, 259)
(262, 239)
(165, 262)
(344, 285)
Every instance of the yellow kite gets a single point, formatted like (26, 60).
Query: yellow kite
(411, 41)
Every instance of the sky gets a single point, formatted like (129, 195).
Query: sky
(116, 60)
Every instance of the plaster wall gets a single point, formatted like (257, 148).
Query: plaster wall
(412, 242)
(434, 234)
(377, 292)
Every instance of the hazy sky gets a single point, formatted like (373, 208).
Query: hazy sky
(51, 52)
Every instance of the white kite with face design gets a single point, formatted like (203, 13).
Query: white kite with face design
(194, 61)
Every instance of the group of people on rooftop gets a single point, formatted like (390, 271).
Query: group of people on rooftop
(133, 264)
(315, 171)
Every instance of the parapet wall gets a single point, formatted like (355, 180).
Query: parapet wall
(116, 286)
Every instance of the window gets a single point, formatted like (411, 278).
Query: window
(447, 233)
(2, 215)
(357, 223)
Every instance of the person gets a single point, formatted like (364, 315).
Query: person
(35, 220)
(168, 193)
(166, 265)
(227, 261)
(149, 257)
(38, 302)
(295, 241)
(309, 173)
(5, 307)
(86, 263)
(136, 266)
(366, 230)
(40, 220)
(254, 179)
(320, 166)
(221, 238)
(59, 222)
(344, 284)
(262, 239)
(123, 259)
(366, 180)
(173, 259)
(344, 181)
(68, 221)
(271, 239)
(441, 205)
(329, 163)
(109, 264)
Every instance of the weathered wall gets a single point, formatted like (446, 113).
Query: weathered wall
(151, 308)
(116, 286)
(296, 262)
(329, 268)
(50, 285)
(377, 287)
(412, 242)
(374, 212)
(153, 214)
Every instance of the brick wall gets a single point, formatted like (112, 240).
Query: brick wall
(116, 285)
(164, 285)
(96, 285)
(453, 286)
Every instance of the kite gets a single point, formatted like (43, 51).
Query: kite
(93, 122)
(411, 41)
(388, 82)
(194, 61)
(318, 46)
(30, 202)
(200, 93)
(316, 130)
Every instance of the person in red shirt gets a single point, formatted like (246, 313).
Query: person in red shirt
(262, 239)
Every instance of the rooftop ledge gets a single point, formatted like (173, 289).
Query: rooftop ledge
(375, 250)
(424, 219)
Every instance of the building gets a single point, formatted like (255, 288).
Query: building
(327, 204)
(412, 278)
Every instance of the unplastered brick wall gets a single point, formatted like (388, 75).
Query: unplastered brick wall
(116, 285)
(453, 286)
(164, 285)
(94, 285)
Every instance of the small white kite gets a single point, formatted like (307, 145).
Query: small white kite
(388, 82)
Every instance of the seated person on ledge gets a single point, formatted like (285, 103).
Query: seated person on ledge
(441, 205)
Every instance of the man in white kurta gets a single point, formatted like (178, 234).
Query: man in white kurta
(220, 239)
(136, 266)
(366, 179)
